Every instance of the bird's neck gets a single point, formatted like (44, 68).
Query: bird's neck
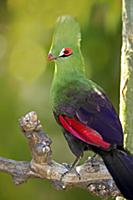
(67, 72)
(65, 75)
(67, 69)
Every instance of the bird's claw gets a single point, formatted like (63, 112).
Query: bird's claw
(70, 169)
(92, 160)
(67, 166)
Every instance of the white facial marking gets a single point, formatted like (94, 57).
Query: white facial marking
(62, 52)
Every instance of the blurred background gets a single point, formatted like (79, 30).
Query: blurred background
(26, 29)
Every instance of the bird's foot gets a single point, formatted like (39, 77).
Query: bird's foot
(92, 160)
(71, 168)
(93, 163)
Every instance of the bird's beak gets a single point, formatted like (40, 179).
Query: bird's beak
(51, 57)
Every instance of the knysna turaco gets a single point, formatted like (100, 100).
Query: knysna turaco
(83, 110)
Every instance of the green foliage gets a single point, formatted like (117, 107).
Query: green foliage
(25, 76)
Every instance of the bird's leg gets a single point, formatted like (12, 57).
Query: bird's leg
(92, 159)
(71, 167)
(75, 163)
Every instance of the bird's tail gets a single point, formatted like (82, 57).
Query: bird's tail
(120, 165)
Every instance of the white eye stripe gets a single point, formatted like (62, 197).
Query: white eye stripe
(62, 52)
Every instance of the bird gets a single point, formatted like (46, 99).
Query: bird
(83, 110)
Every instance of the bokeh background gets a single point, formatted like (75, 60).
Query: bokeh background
(26, 29)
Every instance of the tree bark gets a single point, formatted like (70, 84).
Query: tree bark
(126, 88)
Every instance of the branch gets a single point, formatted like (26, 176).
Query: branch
(95, 178)
(126, 91)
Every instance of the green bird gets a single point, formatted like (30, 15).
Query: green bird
(83, 110)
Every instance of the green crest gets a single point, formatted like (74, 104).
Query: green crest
(66, 34)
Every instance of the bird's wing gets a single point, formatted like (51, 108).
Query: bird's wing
(95, 122)
(82, 132)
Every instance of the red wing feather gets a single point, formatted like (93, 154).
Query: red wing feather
(82, 132)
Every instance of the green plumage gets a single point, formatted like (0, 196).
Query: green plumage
(69, 71)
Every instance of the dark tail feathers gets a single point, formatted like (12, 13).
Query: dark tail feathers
(120, 165)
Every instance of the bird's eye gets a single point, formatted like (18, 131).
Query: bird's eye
(65, 52)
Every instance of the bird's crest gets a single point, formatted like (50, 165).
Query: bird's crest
(66, 34)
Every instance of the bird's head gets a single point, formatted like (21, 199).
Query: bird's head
(66, 40)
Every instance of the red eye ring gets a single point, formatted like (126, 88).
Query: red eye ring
(67, 51)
